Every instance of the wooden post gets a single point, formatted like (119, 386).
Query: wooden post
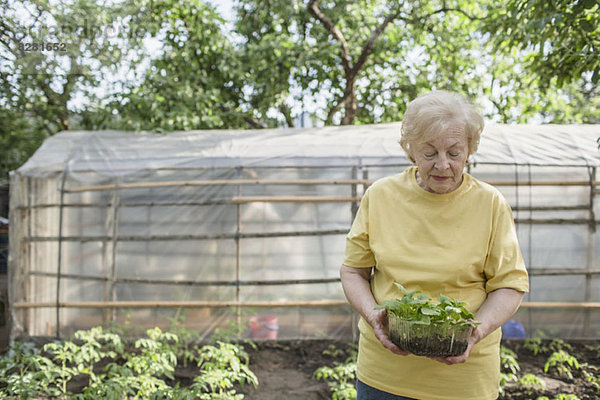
(238, 254)
(590, 258)
(354, 194)
(26, 260)
(59, 261)
(113, 259)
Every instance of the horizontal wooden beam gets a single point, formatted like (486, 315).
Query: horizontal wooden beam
(239, 182)
(221, 182)
(204, 304)
(178, 304)
(136, 238)
(560, 304)
(295, 199)
(189, 282)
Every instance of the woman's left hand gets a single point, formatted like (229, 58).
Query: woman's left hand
(495, 310)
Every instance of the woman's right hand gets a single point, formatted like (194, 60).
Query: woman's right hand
(378, 321)
(356, 284)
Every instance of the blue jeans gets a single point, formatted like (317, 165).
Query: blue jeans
(366, 392)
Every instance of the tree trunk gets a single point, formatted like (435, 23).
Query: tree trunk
(350, 105)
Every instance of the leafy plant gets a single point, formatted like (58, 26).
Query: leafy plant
(534, 345)
(509, 367)
(560, 396)
(418, 308)
(531, 383)
(590, 373)
(138, 373)
(558, 345)
(563, 362)
(187, 337)
(24, 373)
(221, 367)
(340, 377)
(232, 332)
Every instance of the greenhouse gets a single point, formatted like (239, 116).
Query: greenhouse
(228, 226)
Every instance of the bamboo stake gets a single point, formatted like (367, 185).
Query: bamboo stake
(562, 271)
(182, 304)
(351, 199)
(560, 304)
(258, 235)
(202, 304)
(233, 182)
(294, 199)
(133, 238)
(221, 182)
(184, 282)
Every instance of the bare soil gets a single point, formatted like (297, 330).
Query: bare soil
(285, 369)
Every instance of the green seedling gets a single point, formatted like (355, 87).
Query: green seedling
(532, 383)
(340, 377)
(509, 367)
(534, 345)
(563, 362)
(419, 309)
(560, 396)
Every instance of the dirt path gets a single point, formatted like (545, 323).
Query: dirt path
(285, 369)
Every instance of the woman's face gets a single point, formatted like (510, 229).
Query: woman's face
(440, 160)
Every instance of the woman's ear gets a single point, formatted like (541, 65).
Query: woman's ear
(410, 155)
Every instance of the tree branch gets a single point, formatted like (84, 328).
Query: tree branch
(253, 122)
(338, 104)
(287, 113)
(445, 9)
(314, 10)
(368, 47)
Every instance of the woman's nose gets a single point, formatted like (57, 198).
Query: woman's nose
(442, 162)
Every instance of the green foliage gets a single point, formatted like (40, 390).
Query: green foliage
(333, 351)
(232, 331)
(561, 37)
(562, 362)
(560, 396)
(342, 62)
(536, 345)
(341, 377)
(418, 308)
(221, 367)
(138, 373)
(40, 91)
(187, 337)
(591, 375)
(196, 83)
(509, 367)
(532, 383)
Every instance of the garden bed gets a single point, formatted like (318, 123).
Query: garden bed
(289, 366)
(99, 364)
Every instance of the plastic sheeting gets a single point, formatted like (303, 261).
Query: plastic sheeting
(113, 216)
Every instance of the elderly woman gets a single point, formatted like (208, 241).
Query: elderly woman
(436, 229)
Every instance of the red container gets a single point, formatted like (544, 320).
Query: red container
(265, 327)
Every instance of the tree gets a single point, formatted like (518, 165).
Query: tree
(50, 53)
(561, 37)
(355, 54)
(196, 81)
(365, 60)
